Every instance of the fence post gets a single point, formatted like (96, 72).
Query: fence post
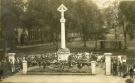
(24, 66)
(93, 67)
(108, 63)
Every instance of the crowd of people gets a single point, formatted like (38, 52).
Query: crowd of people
(121, 68)
(8, 67)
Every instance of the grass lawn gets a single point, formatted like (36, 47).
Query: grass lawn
(74, 47)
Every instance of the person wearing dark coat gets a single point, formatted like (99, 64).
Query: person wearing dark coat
(131, 72)
(1, 71)
(124, 69)
(119, 68)
(114, 68)
(44, 65)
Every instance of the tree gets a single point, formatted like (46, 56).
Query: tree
(112, 22)
(130, 30)
(120, 15)
(126, 18)
(43, 14)
(10, 19)
(127, 11)
(88, 18)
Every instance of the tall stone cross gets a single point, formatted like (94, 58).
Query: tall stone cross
(62, 9)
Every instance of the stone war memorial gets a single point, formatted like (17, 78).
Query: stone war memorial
(69, 41)
(63, 52)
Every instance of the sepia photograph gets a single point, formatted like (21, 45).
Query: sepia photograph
(67, 41)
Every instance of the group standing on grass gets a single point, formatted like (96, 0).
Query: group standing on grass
(8, 67)
(123, 69)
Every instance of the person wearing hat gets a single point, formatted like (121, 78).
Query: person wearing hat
(119, 68)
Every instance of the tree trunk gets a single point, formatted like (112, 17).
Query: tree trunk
(125, 37)
(131, 37)
(57, 41)
(96, 44)
(84, 42)
(41, 35)
(95, 41)
(84, 36)
(116, 38)
(53, 39)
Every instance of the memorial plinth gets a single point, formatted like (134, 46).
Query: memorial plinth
(93, 67)
(24, 71)
(63, 54)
